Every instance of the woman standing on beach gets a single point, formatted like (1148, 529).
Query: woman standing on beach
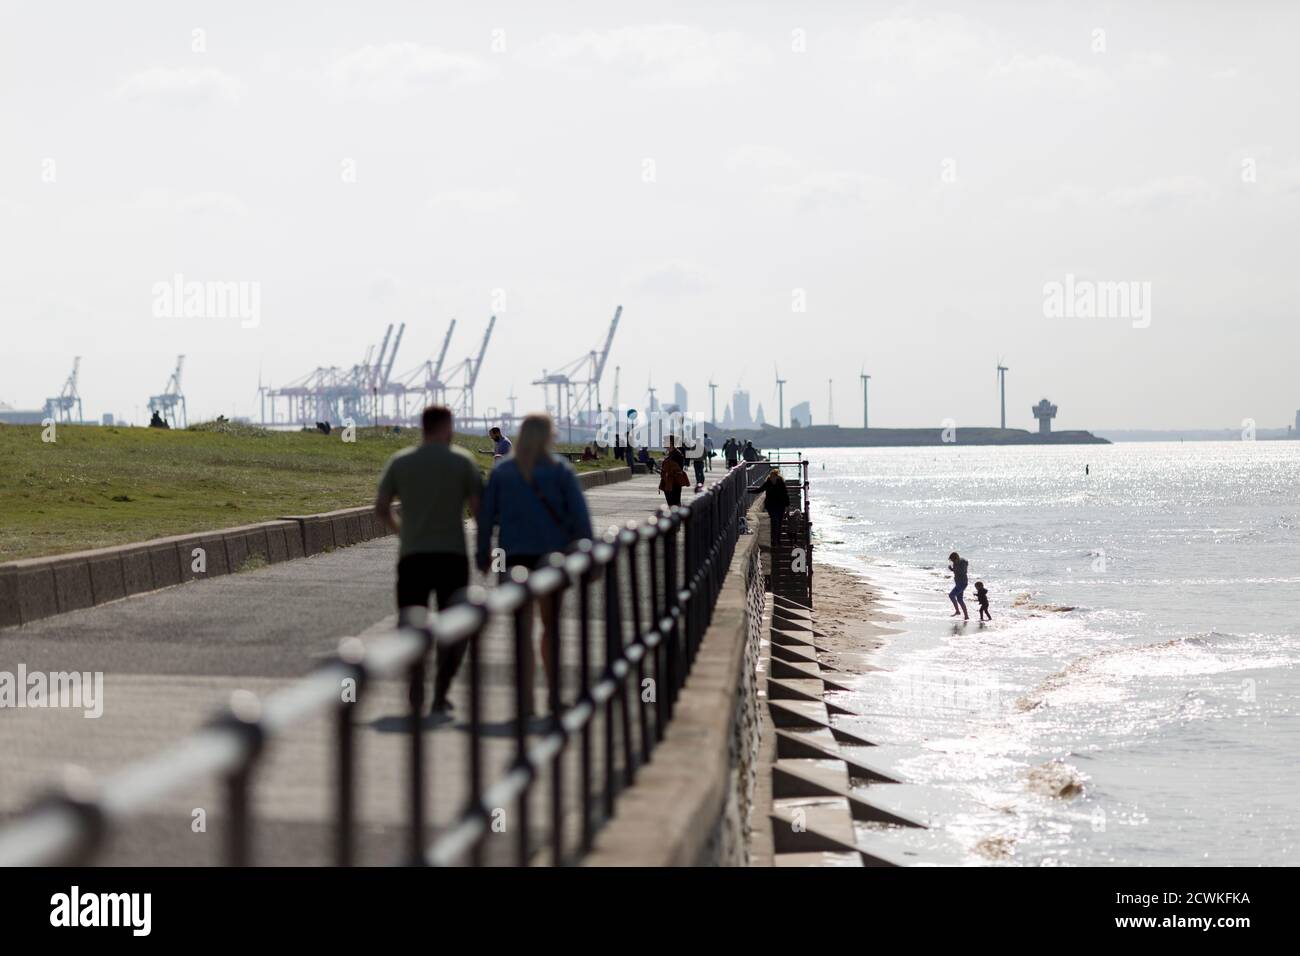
(958, 593)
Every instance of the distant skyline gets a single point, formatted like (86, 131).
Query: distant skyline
(1104, 198)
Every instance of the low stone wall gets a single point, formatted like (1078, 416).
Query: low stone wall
(605, 476)
(36, 588)
(691, 805)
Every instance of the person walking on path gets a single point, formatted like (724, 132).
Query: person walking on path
(435, 481)
(672, 476)
(957, 595)
(776, 499)
(500, 445)
(697, 463)
(534, 502)
(709, 453)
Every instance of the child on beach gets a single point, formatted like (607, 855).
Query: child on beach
(982, 596)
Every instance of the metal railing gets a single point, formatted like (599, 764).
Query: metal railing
(625, 635)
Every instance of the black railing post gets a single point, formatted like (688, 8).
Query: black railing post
(629, 539)
(476, 734)
(557, 724)
(351, 655)
(584, 690)
(244, 719)
(415, 731)
(666, 654)
(523, 706)
(613, 648)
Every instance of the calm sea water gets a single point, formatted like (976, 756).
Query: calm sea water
(1134, 700)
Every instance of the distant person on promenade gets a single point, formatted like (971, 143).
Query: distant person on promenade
(435, 481)
(588, 453)
(709, 453)
(957, 595)
(729, 452)
(982, 596)
(500, 445)
(749, 452)
(645, 458)
(534, 500)
(776, 499)
(627, 450)
(672, 476)
(697, 464)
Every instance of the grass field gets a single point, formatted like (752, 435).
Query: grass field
(97, 486)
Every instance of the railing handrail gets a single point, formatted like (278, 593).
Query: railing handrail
(69, 825)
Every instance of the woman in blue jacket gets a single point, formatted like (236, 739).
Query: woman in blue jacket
(534, 503)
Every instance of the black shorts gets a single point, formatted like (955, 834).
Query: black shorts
(439, 573)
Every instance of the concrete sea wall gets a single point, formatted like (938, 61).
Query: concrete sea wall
(692, 803)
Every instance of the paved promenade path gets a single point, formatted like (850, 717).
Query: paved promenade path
(172, 658)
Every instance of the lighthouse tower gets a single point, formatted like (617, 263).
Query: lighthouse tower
(1044, 411)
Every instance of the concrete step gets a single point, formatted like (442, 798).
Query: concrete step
(798, 713)
(790, 670)
(803, 777)
(804, 689)
(808, 824)
(789, 638)
(794, 655)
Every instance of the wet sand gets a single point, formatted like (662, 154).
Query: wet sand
(849, 618)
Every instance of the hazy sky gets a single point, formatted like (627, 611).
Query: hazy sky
(915, 173)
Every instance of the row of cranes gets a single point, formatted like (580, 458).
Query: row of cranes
(169, 406)
(369, 394)
(577, 399)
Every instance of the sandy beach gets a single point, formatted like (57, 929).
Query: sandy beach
(849, 617)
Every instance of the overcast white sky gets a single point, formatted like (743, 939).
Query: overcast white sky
(775, 170)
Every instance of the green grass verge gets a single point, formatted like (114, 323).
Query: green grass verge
(95, 487)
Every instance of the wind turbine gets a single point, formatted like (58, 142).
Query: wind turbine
(865, 378)
(1002, 387)
(780, 397)
(713, 401)
(830, 401)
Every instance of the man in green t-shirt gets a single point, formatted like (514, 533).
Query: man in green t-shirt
(435, 481)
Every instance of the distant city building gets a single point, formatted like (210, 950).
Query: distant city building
(1044, 411)
(740, 417)
(801, 415)
(679, 396)
(759, 420)
(1297, 423)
